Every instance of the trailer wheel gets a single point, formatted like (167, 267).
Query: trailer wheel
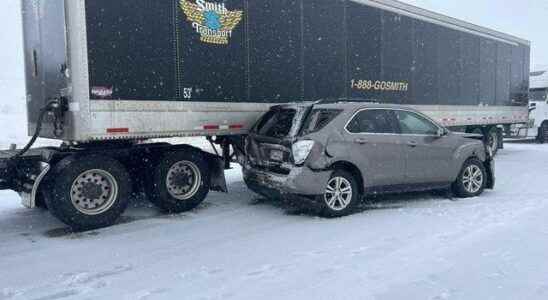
(492, 138)
(88, 192)
(543, 132)
(180, 182)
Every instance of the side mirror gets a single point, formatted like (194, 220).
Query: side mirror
(442, 132)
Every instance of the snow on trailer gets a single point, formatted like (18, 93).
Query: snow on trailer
(102, 75)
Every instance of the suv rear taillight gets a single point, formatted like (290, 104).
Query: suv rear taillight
(301, 150)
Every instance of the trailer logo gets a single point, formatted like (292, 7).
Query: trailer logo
(102, 92)
(212, 21)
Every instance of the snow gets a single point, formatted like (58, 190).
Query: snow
(239, 246)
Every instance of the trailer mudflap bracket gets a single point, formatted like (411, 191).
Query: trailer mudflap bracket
(31, 187)
(217, 171)
(25, 174)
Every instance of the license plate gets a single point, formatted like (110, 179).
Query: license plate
(276, 155)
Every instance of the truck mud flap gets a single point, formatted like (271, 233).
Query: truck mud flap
(490, 169)
(217, 171)
(4, 174)
(28, 196)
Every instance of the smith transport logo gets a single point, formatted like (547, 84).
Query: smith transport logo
(212, 21)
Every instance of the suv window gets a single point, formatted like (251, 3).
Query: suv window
(318, 119)
(412, 123)
(277, 123)
(372, 121)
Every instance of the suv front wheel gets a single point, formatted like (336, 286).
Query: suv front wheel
(341, 195)
(472, 179)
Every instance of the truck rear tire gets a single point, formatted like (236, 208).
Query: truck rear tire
(543, 132)
(492, 138)
(88, 192)
(180, 182)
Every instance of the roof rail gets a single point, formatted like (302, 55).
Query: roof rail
(347, 100)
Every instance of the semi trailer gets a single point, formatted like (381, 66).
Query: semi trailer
(109, 78)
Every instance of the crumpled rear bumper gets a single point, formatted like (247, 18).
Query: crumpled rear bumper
(300, 181)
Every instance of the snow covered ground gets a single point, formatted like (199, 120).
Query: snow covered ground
(239, 246)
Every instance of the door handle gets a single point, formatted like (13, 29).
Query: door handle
(360, 141)
(412, 144)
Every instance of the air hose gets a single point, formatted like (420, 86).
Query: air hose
(57, 106)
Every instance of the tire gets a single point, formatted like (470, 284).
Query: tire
(543, 133)
(180, 182)
(88, 192)
(333, 204)
(492, 139)
(467, 184)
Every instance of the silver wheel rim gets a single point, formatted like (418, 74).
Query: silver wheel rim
(338, 193)
(94, 192)
(183, 180)
(472, 179)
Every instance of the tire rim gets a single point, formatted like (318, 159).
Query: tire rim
(338, 193)
(472, 179)
(94, 192)
(183, 180)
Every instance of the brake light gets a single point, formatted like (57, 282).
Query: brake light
(301, 150)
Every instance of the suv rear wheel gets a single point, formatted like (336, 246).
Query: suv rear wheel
(341, 195)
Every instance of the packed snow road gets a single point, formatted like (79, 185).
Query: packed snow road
(237, 246)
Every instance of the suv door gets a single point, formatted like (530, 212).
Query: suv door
(375, 147)
(429, 155)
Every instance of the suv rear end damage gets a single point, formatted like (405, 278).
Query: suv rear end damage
(276, 157)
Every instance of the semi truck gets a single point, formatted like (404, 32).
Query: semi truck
(538, 125)
(110, 79)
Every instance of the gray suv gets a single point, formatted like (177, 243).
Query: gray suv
(336, 153)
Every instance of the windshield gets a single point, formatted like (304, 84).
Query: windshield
(538, 95)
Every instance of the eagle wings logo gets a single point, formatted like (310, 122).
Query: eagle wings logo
(212, 21)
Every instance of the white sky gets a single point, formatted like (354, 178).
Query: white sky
(11, 56)
(525, 18)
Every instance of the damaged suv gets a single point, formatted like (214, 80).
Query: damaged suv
(335, 153)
